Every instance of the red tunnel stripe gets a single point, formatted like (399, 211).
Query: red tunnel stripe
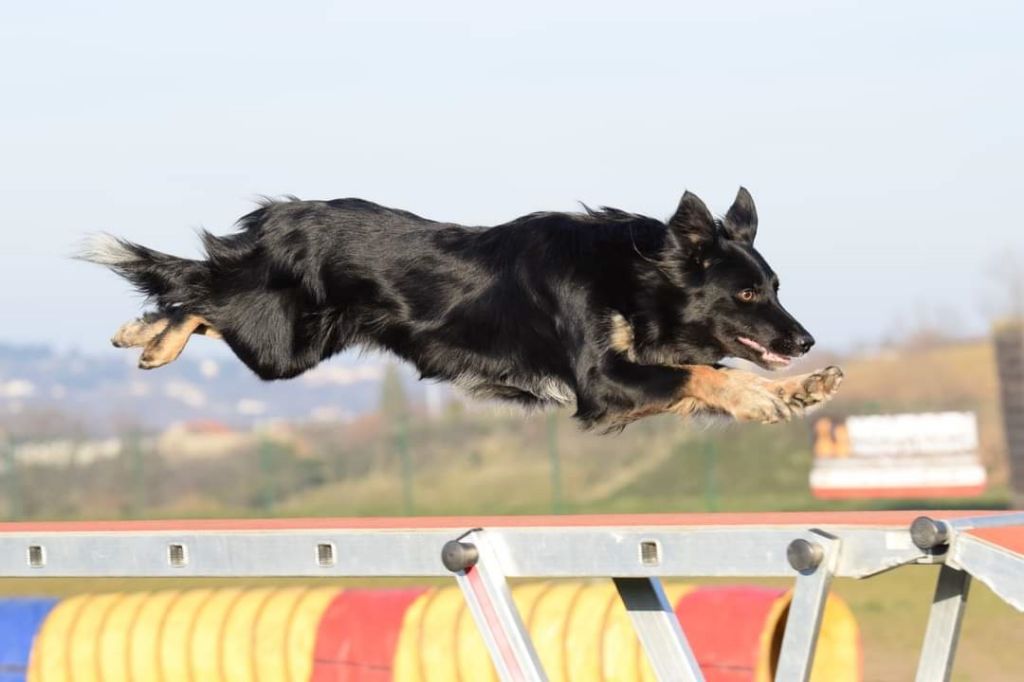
(724, 626)
(358, 633)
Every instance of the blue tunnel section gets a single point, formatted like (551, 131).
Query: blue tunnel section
(20, 620)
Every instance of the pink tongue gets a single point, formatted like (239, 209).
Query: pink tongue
(766, 354)
(772, 357)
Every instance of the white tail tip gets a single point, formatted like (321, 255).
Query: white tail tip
(105, 249)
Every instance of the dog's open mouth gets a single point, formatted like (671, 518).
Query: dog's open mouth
(767, 356)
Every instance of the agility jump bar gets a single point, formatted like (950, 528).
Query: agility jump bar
(636, 551)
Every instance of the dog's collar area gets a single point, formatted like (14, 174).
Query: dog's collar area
(766, 355)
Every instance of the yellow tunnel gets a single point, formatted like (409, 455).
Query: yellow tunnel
(297, 634)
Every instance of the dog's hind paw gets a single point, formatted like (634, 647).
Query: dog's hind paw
(168, 344)
(138, 333)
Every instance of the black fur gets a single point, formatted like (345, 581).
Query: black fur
(521, 311)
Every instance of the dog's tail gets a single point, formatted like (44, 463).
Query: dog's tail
(167, 280)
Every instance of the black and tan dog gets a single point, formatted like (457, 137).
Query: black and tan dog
(620, 314)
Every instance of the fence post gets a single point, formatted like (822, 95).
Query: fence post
(1009, 342)
(11, 478)
(555, 462)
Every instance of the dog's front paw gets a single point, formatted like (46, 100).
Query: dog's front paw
(812, 389)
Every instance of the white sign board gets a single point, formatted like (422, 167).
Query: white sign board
(897, 456)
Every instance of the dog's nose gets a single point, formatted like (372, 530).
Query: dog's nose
(803, 342)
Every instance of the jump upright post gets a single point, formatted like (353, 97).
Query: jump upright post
(636, 551)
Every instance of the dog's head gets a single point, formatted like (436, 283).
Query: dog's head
(729, 289)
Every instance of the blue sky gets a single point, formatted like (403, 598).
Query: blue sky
(882, 141)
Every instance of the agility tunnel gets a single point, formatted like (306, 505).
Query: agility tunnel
(292, 634)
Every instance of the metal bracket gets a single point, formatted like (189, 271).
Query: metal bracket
(479, 576)
(658, 629)
(814, 557)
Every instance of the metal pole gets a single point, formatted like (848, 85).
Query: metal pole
(555, 462)
(268, 492)
(479, 574)
(402, 445)
(138, 475)
(710, 452)
(943, 633)
(813, 557)
(659, 631)
(394, 408)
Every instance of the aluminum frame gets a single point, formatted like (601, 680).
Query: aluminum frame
(535, 552)
(634, 556)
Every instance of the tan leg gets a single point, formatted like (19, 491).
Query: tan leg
(744, 396)
(168, 344)
(750, 397)
(741, 395)
(138, 333)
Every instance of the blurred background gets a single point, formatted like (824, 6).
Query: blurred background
(881, 142)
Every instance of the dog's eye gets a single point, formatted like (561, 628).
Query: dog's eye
(747, 295)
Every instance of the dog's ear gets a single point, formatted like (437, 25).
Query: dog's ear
(740, 223)
(693, 225)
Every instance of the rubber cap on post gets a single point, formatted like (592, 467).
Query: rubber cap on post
(458, 556)
(804, 555)
(927, 533)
